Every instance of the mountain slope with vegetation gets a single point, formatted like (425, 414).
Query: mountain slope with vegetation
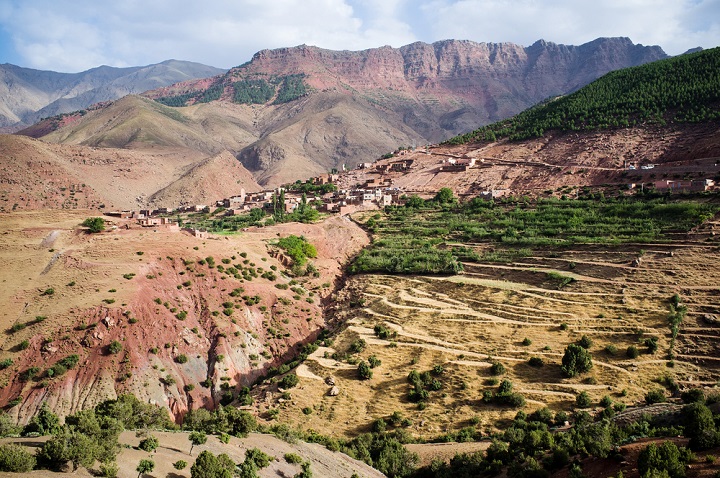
(684, 89)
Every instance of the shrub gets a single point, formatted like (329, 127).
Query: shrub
(655, 396)
(694, 395)
(536, 362)
(149, 444)
(652, 344)
(115, 347)
(667, 458)
(576, 360)
(632, 352)
(293, 458)
(374, 361)
(497, 368)
(700, 426)
(364, 371)
(94, 224)
(585, 342)
(582, 400)
(527, 342)
(182, 358)
(289, 381)
(180, 464)
(358, 346)
(16, 459)
(145, 466)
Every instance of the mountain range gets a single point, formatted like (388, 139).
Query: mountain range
(27, 95)
(287, 114)
(293, 113)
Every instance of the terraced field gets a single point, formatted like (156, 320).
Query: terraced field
(458, 326)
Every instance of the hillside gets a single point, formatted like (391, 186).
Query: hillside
(27, 95)
(295, 112)
(157, 294)
(676, 90)
(37, 175)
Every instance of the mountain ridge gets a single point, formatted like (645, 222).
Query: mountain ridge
(27, 95)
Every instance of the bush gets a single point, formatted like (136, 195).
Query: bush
(16, 459)
(666, 458)
(582, 400)
(115, 347)
(358, 346)
(576, 360)
(655, 396)
(585, 342)
(182, 358)
(652, 344)
(497, 369)
(536, 362)
(94, 224)
(289, 381)
(700, 426)
(180, 464)
(293, 458)
(149, 444)
(694, 395)
(632, 352)
(364, 371)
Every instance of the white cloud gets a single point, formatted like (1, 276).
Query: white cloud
(71, 35)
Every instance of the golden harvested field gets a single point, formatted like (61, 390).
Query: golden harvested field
(509, 313)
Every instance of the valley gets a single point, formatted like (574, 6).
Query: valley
(535, 297)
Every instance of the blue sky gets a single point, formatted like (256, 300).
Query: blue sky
(74, 35)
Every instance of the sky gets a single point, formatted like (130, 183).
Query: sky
(75, 35)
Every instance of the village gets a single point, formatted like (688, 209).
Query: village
(374, 188)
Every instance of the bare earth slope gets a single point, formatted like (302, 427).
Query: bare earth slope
(560, 160)
(175, 446)
(38, 175)
(158, 295)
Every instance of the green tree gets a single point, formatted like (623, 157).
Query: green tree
(582, 400)
(69, 445)
(289, 381)
(576, 360)
(45, 422)
(16, 459)
(700, 426)
(364, 371)
(94, 224)
(666, 457)
(149, 444)
(306, 471)
(208, 465)
(445, 196)
(585, 342)
(145, 466)
(115, 347)
(196, 438)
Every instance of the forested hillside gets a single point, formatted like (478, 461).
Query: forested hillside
(680, 89)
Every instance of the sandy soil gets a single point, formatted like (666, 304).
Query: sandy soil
(176, 446)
